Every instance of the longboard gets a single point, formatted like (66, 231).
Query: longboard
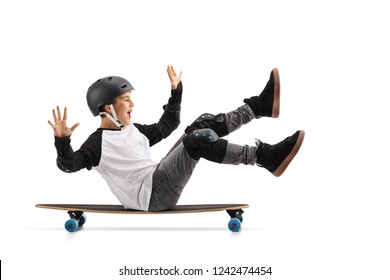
(78, 218)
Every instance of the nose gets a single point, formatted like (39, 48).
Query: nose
(132, 104)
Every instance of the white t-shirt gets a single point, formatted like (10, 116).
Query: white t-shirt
(127, 167)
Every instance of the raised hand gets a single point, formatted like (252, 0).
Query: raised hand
(60, 127)
(173, 77)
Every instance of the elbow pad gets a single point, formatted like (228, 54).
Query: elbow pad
(63, 167)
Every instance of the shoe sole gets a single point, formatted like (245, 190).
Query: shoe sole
(276, 104)
(282, 167)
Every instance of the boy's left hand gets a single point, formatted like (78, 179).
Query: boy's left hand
(173, 77)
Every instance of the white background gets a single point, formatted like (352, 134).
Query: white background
(327, 217)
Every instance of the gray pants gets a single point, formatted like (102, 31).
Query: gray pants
(175, 169)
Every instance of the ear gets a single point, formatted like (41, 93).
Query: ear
(107, 108)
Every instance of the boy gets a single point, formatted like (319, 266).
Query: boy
(119, 148)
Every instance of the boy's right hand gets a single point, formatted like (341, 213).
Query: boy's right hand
(60, 128)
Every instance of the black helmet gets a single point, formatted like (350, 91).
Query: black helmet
(104, 90)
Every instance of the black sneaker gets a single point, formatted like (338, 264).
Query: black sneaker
(276, 158)
(268, 102)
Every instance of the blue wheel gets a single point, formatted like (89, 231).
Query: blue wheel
(240, 218)
(71, 225)
(234, 224)
(82, 220)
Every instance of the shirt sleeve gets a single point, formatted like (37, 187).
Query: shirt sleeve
(169, 120)
(87, 156)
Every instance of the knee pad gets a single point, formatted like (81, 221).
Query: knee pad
(207, 120)
(205, 143)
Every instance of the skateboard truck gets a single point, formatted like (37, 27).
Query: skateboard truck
(75, 214)
(235, 213)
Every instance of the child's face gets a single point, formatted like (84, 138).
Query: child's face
(123, 106)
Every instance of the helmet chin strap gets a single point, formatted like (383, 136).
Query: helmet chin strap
(113, 118)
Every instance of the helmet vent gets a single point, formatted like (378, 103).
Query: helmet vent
(124, 86)
(98, 81)
(109, 79)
